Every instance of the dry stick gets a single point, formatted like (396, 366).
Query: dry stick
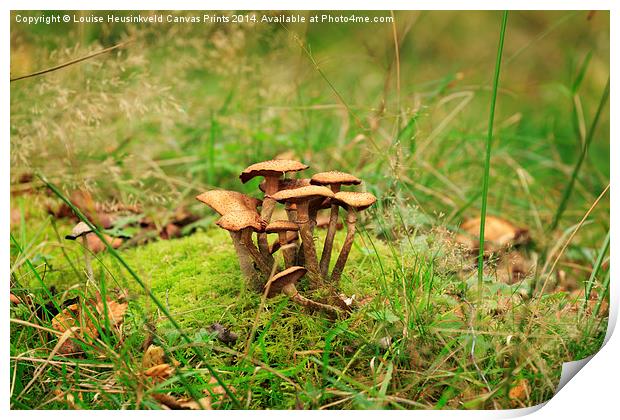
(75, 61)
(570, 238)
(39, 370)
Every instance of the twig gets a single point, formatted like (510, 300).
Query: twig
(75, 61)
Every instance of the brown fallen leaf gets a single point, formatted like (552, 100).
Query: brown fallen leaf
(169, 402)
(96, 245)
(498, 234)
(170, 231)
(72, 316)
(520, 391)
(160, 372)
(115, 310)
(514, 267)
(153, 356)
(16, 217)
(15, 300)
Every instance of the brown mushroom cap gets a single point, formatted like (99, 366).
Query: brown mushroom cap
(283, 278)
(356, 200)
(287, 184)
(281, 226)
(298, 195)
(79, 230)
(276, 167)
(223, 201)
(238, 220)
(335, 177)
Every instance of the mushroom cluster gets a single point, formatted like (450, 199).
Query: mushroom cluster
(302, 200)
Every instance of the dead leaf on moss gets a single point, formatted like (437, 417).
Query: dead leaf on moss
(498, 234)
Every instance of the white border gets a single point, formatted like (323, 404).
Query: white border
(591, 393)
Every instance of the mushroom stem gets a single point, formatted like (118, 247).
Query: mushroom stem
(329, 241)
(269, 205)
(245, 262)
(246, 240)
(292, 216)
(346, 247)
(291, 291)
(89, 267)
(307, 242)
(288, 249)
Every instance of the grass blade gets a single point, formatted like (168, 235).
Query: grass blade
(487, 162)
(150, 294)
(569, 188)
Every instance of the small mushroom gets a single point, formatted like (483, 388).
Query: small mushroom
(272, 171)
(333, 179)
(80, 231)
(224, 202)
(284, 282)
(353, 202)
(302, 197)
(281, 227)
(246, 222)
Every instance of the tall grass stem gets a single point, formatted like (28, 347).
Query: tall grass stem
(487, 161)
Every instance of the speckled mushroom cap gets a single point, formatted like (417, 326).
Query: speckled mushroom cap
(238, 220)
(356, 200)
(287, 184)
(277, 167)
(281, 226)
(288, 276)
(79, 230)
(223, 201)
(335, 177)
(298, 195)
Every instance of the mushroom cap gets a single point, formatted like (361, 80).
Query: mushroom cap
(287, 184)
(283, 278)
(302, 194)
(223, 201)
(335, 177)
(276, 167)
(79, 230)
(238, 220)
(281, 226)
(356, 200)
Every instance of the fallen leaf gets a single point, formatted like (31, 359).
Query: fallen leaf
(15, 300)
(72, 316)
(96, 245)
(153, 356)
(498, 234)
(169, 402)
(520, 391)
(170, 231)
(115, 310)
(514, 267)
(160, 372)
(16, 217)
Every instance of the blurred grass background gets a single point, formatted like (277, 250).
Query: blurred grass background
(183, 108)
